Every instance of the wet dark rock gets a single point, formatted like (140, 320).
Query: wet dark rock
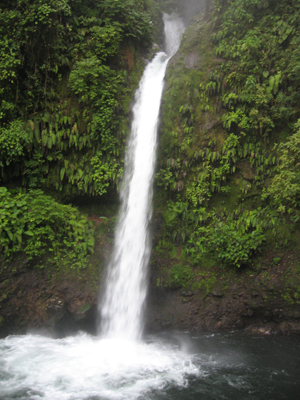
(165, 325)
(250, 313)
(187, 294)
(55, 313)
(239, 324)
(262, 330)
(3, 297)
(83, 310)
(284, 328)
(191, 60)
(67, 306)
(217, 294)
(249, 174)
(268, 314)
(276, 312)
(295, 327)
(71, 323)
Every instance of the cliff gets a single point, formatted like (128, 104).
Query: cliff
(226, 243)
(226, 194)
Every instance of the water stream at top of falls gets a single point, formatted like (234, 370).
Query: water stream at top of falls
(126, 286)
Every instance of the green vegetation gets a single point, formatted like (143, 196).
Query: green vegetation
(229, 153)
(45, 231)
(65, 87)
(284, 190)
(68, 70)
(180, 276)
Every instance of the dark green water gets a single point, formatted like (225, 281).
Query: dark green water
(239, 366)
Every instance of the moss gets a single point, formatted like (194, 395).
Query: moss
(183, 87)
(205, 283)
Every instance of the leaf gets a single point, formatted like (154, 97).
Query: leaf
(31, 124)
(62, 173)
(266, 74)
(10, 235)
(271, 81)
(19, 238)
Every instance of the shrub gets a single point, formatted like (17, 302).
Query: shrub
(180, 276)
(45, 230)
(235, 245)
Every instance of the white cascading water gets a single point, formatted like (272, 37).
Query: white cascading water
(115, 366)
(121, 309)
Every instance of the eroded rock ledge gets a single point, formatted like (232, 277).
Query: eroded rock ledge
(239, 308)
(35, 301)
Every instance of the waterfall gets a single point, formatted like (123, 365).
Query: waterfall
(126, 287)
(115, 365)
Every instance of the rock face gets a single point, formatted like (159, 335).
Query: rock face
(50, 300)
(191, 60)
(260, 299)
(238, 308)
(264, 303)
(34, 301)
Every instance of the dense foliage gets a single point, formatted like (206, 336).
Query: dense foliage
(44, 230)
(229, 154)
(68, 69)
(284, 190)
(230, 132)
(64, 86)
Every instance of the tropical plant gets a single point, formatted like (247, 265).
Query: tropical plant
(45, 231)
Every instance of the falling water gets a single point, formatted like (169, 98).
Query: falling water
(121, 309)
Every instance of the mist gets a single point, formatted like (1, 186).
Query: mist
(190, 8)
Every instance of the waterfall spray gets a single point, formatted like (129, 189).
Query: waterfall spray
(126, 286)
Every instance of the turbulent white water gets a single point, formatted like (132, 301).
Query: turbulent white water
(85, 367)
(225, 366)
(121, 308)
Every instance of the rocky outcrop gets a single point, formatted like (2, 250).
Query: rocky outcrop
(32, 300)
(264, 302)
(240, 307)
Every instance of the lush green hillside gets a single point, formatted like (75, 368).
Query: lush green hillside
(65, 80)
(228, 180)
(68, 69)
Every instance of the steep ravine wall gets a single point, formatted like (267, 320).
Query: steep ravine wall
(262, 295)
(259, 298)
(252, 303)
